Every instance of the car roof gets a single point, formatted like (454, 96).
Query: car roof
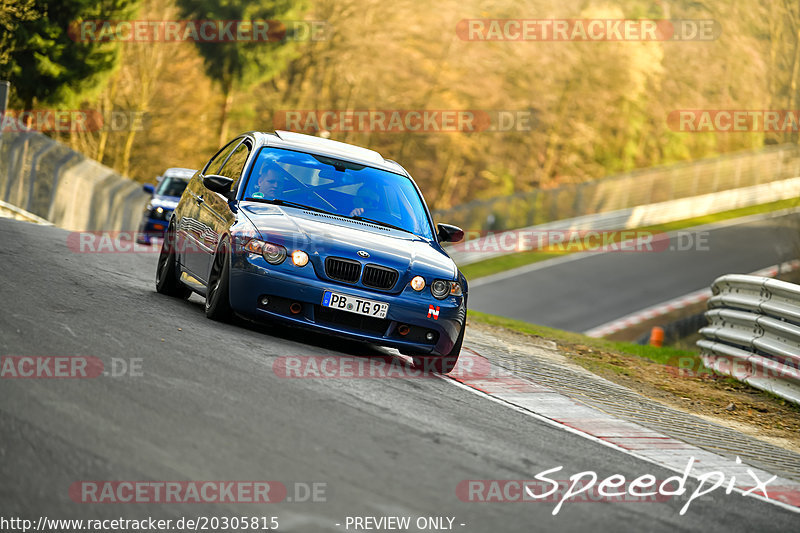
(179, 172)
(327, 147)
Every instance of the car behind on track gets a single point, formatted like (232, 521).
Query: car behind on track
(165, 196)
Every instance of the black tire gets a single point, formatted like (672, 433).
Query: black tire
(218, 302)
(442, 364)
(167, 281)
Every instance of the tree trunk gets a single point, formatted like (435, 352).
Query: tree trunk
(793, 88)
(227, 91)
(130, 136)
(109, 107)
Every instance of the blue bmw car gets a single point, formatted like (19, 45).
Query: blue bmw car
(318, 234)
(166, 194)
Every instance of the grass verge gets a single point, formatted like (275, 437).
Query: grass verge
(663, 355)
(656, 373)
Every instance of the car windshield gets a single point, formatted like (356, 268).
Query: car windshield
(171, 186)
(339, 187)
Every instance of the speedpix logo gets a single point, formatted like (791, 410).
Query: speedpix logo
(588, 486)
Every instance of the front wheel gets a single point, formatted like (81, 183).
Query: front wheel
(443, 364)
(218, 302)
(167, 281)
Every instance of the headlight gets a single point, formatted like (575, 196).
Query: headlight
(273, 254)
(157, 212)
(418, 283)
(441, 289)
(299, 258)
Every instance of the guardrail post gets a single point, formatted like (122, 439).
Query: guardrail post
(5, 88)
(34, 163)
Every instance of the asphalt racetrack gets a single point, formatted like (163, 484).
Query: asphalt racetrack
(586, 290)
(205, 404)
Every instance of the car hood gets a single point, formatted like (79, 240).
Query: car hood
(322, 235)
(167, 202)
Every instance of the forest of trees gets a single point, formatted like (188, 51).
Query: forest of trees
(595, 108)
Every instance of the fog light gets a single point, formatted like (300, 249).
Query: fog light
(403, 329)
(264, 301)
(295, 308)
(429, 335)
(299, 258)
(418, 283)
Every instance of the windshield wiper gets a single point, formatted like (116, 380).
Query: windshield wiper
(380, 223)
(287, 203)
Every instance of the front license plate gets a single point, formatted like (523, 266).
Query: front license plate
(351, 304)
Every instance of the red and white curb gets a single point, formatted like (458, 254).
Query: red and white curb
(677, 303)
(545, 404)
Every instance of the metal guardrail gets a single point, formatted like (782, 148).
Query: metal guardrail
(622, 191)
(50, 180)
(754, 333)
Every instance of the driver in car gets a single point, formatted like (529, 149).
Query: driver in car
(367, 198)
(271, 183)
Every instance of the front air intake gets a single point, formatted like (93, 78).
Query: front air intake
(345, 270)
(379, 277)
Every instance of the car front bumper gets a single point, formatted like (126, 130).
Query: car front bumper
(150, 228)
(260, 291)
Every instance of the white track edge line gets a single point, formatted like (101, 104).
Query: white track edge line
(608, 444)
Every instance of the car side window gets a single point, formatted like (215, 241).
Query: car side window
(235, 164)
(213, 166)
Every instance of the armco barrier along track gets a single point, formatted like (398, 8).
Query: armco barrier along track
(754, 333)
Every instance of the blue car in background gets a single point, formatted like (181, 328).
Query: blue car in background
(318, 234)
(159, 209)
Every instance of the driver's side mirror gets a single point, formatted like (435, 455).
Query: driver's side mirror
(148, 188)
(448, 233)
(217, 183)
